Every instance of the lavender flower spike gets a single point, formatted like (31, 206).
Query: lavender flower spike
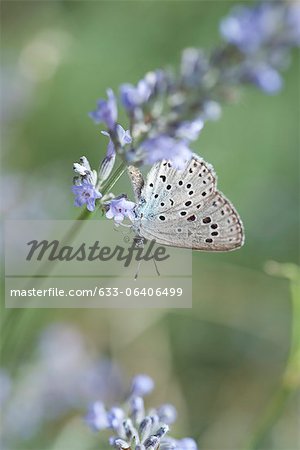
(85, 193)
(136, 429)
(106, 111)
(119, 208)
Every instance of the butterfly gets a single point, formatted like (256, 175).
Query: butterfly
(183, 208)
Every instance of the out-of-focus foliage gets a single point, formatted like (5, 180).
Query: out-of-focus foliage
(220, 362)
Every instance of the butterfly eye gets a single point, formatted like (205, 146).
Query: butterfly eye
(208, 240)
(214, 226)
(206, 220)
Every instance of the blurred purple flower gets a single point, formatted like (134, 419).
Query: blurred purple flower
(166, 147)
(106, 111)
(250, 28)
(157, 80)
(266, 78)
(96, 417)
(141, 385)
(167, 413)
(133, 427)
(135, 96)
(119, 208)
(115, 417)
(212, 110)
(85, 193)
(266, 24)
(194, 65)
(189, 130)
(63, 379)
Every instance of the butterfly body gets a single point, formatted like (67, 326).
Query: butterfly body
(183, 208)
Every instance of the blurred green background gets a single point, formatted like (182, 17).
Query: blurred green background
(219, 362)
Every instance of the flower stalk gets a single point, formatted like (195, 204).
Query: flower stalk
(290, 379)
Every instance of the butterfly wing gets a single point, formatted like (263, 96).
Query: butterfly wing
(185, 209)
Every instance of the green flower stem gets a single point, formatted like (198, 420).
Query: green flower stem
(114, 178)
(290, 380)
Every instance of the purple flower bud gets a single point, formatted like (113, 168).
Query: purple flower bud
(115, 417)
(141, 385)
(133, 97)
(96, 417)
(80, 169)
(211, 110)
(145, 428)
(167, 413)
(106, 111)
(194, 64)
(162, 431)
(266, 78)
(85, 193)
(242, 28)
(119, 443)
(157, 80)
(124, 137)
(152, 442)
(119, 208)
(110, 151)
(190, 130)
(137, 408)
(165, 147)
